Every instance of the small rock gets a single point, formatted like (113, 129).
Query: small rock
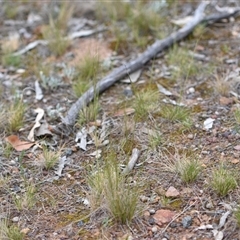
(163, 216)
(187, 221)
(190, 90)
(151, 221)
(68, 152)
(128, 92)
(80, 223)
(20, 70)
(190, 136)
(15, 219)
(154, 229)
(143, 199)
(152, 211)
(172, 192)
(173, 225)
(28, 92)
(209, 205)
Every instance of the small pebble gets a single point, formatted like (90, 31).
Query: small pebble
(151, 221)
(190, 90)
(190, 136)
(154, 229)
(209, 205)
(173, 225)
(128, 92)
(15, 219)
(152, 211)
(68, 152)
(143, 199)
(187, 221)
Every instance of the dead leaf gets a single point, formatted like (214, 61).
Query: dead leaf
(133, 77)
(96, 153)
(82, 136)
(163, 216)
(163, 90)
(172, 192)
(37, 124)
(208, 123)
(17, 144)
(43, 130)
(123, 112)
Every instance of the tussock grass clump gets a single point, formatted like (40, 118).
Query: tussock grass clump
(185, 164)
(222, 86)
(223, 180)
(188, 168)
(237, 115)
(137, 21)
(155, 139)
(145, 102)
(237, 215)
(175, 113)
(11, 60)
(28, 199)
(89, 113)
(10, 232)
(183, 63)
(15, 115)
(110, 189)
(50, 158)
(87, 72)
(56, 29)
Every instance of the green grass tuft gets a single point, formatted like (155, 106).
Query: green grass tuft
(223, 180)
(110, 188)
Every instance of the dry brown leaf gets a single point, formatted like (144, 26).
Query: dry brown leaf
(123, 112)
(17, 144)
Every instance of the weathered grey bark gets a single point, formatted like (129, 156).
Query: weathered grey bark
(69, 120)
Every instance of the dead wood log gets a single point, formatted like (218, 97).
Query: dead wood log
(117, 74)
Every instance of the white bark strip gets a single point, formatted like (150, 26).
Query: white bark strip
(132, 161)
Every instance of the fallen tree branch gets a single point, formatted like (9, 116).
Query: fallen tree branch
(119, 73)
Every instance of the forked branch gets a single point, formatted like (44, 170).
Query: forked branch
(119, 73)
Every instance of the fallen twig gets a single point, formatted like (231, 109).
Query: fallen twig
(32, 45)
(151, 52)
(132, 161)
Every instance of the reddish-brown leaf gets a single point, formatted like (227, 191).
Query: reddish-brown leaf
(17, 144)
